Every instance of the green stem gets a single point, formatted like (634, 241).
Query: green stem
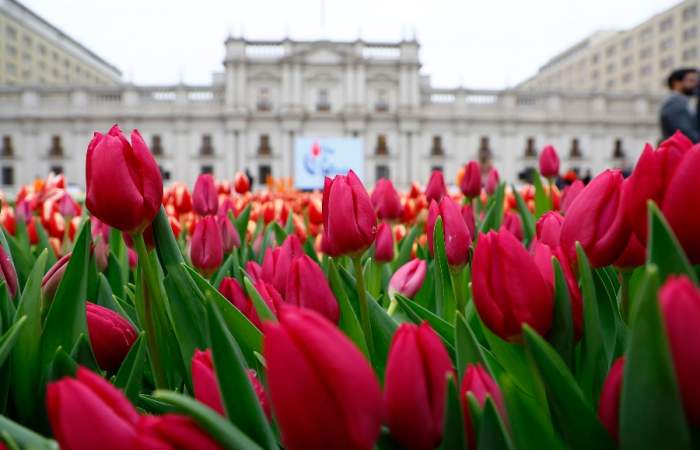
(151, 301)
(374, 283)
(625, 276)
(364, 307)
(459, 285)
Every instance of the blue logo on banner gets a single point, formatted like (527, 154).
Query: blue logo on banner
(319, 158)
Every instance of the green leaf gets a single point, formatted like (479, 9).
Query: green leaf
(349, 323)
(453, 436)
(44, 244)
(26, 354)
(26, 437)
(224, 270)
(542, 201)
(7, 340)
(467, 348)
(418, 314)
(574, 416)
(526, 217)
(494, 215)
(65, 320)
(240, 401)
(651, 410)
(492, 432)
(241, 222)
(62, 365)
(82, 353)
(216, 426)
(21, 257)
(405, 247)
(561, 334)
(445, 298)
(280, 233)
(114, 276)
(130, 373)
(264, 312)
(664, 250)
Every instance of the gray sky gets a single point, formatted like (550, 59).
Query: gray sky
(479, 44)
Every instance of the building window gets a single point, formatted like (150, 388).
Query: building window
(264, 147)
(645, 71)
(207, 149)
(627, 43)
(381, 171)
(484, 150)
(618, 149)
(207, 168)
(323, 104)
(611, 67)
(530, 149)
(646, 34)
(156, 145)
(626, 61)
(666, 24)
(56, 170)
(7, 149)
(595, 58)
(164, 173)
(627, 77)
(382, 148)
(666, 63)
(382, 104)
(264, 172)
(56, 149)
(11, 32)
(690, 13)
(666, 44)
(690, 33)
(575, 150)
(645, 52)
(437, 149)
(610, 84)
(264, 103)
(8, 176)
(610, 51)
(690, 54)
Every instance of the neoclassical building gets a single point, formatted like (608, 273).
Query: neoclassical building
(270, 93)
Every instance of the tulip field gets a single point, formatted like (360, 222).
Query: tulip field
(495, 316)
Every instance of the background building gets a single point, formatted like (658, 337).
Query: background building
(634, 60)
(32, 51)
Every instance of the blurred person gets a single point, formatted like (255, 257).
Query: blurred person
(676, 111)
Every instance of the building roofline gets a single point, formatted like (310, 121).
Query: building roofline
(65, 36)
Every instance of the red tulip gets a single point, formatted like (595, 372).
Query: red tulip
(479, 383)
(549, 162)
(133, 257)
(206, 248)
(682, 194)
(52, 278)
(468, 215)
(492, 181)
(456, 234)
(253, 270)
(234, 293)
(569, 194)
(504, 299)
(68, 207)
(634, 255)
(111, 336)
(229, 235)
(171, 431)
(9, 274)
(408, 279)
(595, 220)
(470, 185)
(384, 243)
(308, 288)
(680, 306)
(316, 212)
(609, 404)
(436, 188)
(311, 363)
(289, 250)
(124, 186)
(513, 223)
(386, 200)
(414, 386)
(349, 220)
(205, 197)
(241, 183)
(206, 384)
(182, 199)
(650, 179)
(548, 228)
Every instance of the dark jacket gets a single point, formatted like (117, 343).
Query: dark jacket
(676, 115)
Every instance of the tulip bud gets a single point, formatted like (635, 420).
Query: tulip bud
(470, 185)
(349, 220)
(634, 255)
(479, 383)
(312, 363)
(492, 181)
(595, 220)
(682, 193)
(124, 185)
(269, 294)
(205, 198)
(513, 223)
(609, 404)
(171, 431)
(111, 336)
(315, 211)
(408, 279)
(436, 188)
(182, 199)
(289, 250)
(234, 293)
(548, 228)
(229, 235)
(241, 183)
(308, 288)
(505, 301)
(456, 233)
(68, 207)
(386, 200)
(384, 244)
(9, 274)
(52, 278)
(253, 270)
(679, 299)
(206, 384)
(651, 178)
(133, 257)
(206, 248)
(101, 253)
(569, 194)
(468, 215)
(414, 386)
(549, 162)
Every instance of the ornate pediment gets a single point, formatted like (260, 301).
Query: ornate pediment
(323, 53)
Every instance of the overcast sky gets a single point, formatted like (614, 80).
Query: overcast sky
(479, 44)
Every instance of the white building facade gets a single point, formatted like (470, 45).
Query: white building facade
(271, 92)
